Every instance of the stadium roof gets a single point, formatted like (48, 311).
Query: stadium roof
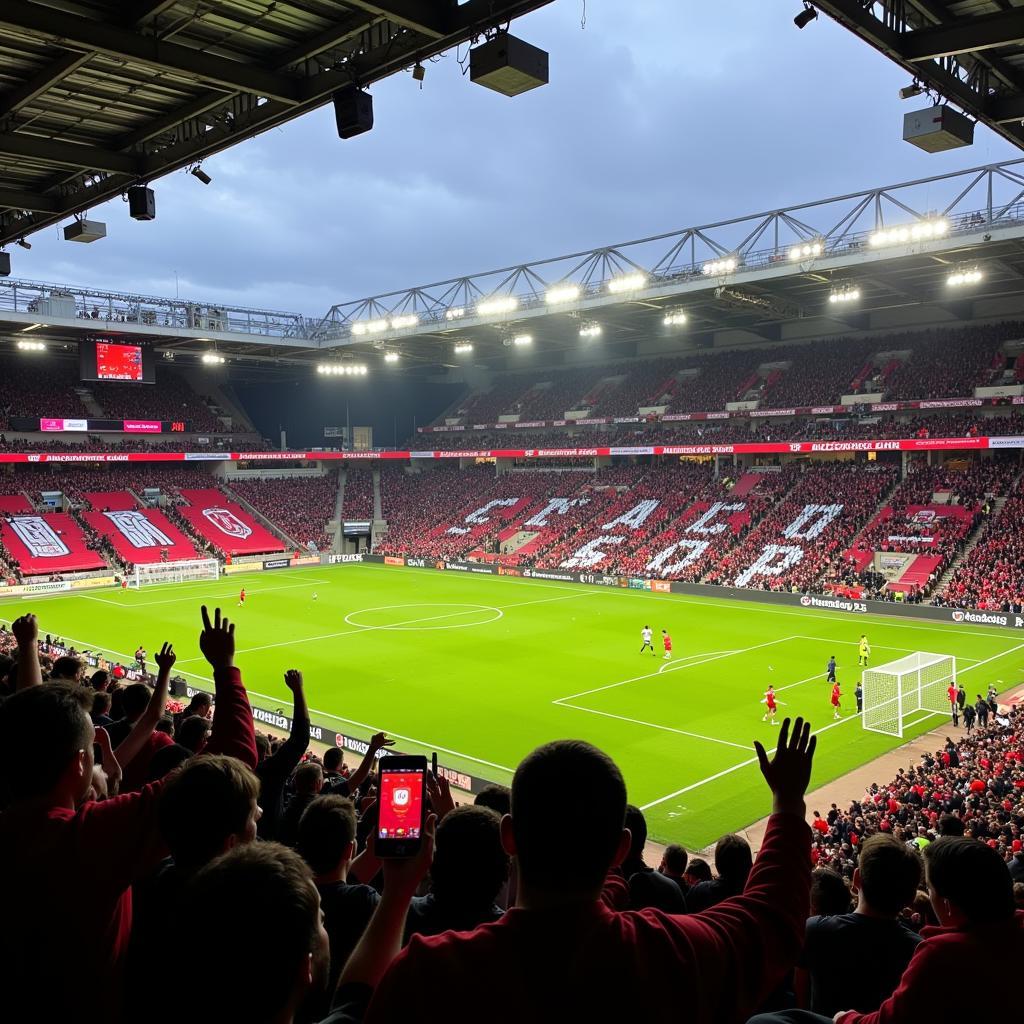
(969, 51)
(891, 251)
(102, 94)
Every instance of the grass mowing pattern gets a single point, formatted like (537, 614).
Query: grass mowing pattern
(482, 669)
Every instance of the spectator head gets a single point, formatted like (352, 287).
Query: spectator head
(637, 825)
(829, 895)
(673, 861)
(470, 865)
(327, 834)
(697, 870)
(100, 679)
(887, 875)
(100, 703)
(166, 759)
(134, 700)
(567, 824)
(201, 704)
(193, 731)
(950, 825)
(498, 798)
(165, 725)
(333, 759)
(208, 808)
(46, 738)
(308, 779)
(968, 883)
(268, 912)
(733, 860)
(67, 669)
(262, 746)
(1018, 895)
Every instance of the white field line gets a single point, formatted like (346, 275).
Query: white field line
(818, 732)
(277, 702)
(721, 603)
(654, 725)
(671, 667)
(226, 595)
(879, 647)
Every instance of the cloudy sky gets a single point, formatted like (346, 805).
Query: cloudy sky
(660, 114)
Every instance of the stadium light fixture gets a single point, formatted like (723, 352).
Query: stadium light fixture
(462, 348)
(970, 275)
(847, 293)
(32, 346)
(522, 340)
(562, 293)
(920, 231)
(32, 327)
(496, 305)
(805, 17)
(391, 357)
(590, 331)
(627, 283)
(675, 318)
(806, 251)
(715, 268)
(341, 369)
(213, 359)
(455, 313)
(24, 244)
(908, 92)
(361, 327)
(201, 175)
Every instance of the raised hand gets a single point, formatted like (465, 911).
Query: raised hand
(440, 795)
(108, 762)
(293, 680)
(789, 772)
(217, 640)
(380, 740)
(165, 657)
(25, 629)
(404, 874)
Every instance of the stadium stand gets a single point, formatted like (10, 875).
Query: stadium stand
(171, 398)
(300, 506)
(224, 524)
(358, 493)
(41, 545)
(27, 390)
(137, 535)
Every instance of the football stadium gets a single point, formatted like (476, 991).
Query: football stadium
(644, 622)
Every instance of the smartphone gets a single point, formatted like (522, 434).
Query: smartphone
(402, 805)
(433, 764)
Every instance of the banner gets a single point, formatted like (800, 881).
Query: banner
(227, 522)
(277, 563)
(39, 537)
(138, 530)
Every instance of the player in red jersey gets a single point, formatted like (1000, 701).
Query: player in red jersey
(241, 597)
(954, 707)
(836, 695)
(770, 706)
(666, 642)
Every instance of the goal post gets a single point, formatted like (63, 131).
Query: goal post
(175, 572)
(914, 685)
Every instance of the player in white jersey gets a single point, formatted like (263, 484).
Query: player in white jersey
(645, 635)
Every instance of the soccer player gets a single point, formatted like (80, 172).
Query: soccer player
(666, 642)
(140, 658)
(836, 696)
(241, 597)
(864, 651)
(316, 596)
(952, 693)
(645, 636)
(859, 694)
(770, 706)
(831, 669)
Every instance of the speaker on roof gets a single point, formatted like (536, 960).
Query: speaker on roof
(141, 203)
(353, 111)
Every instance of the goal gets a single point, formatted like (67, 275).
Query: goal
(175, 572)
(914, 685)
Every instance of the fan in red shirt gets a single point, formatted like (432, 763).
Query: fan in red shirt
(666, 642)
(74, 860)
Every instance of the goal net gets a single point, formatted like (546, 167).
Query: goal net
(914, 685)
(175, 572)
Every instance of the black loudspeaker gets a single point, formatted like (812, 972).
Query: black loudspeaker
(353, 110)
(178, 686)
(141, 203)
(5, 264)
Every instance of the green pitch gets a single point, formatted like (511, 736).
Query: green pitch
(482, 669)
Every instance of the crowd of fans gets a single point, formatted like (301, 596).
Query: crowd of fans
(172, 399)
(301, 506)
(358, 493)
(133, 827)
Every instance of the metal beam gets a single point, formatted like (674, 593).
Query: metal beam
(331, 37)
(964, 35)
(428, 19)
(67, 154)
(40, 82)
(16, 199)
(144, 10)
(102, 37)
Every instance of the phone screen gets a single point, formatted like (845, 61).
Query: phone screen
(401, 803)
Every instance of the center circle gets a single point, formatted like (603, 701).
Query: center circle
(409, 617)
